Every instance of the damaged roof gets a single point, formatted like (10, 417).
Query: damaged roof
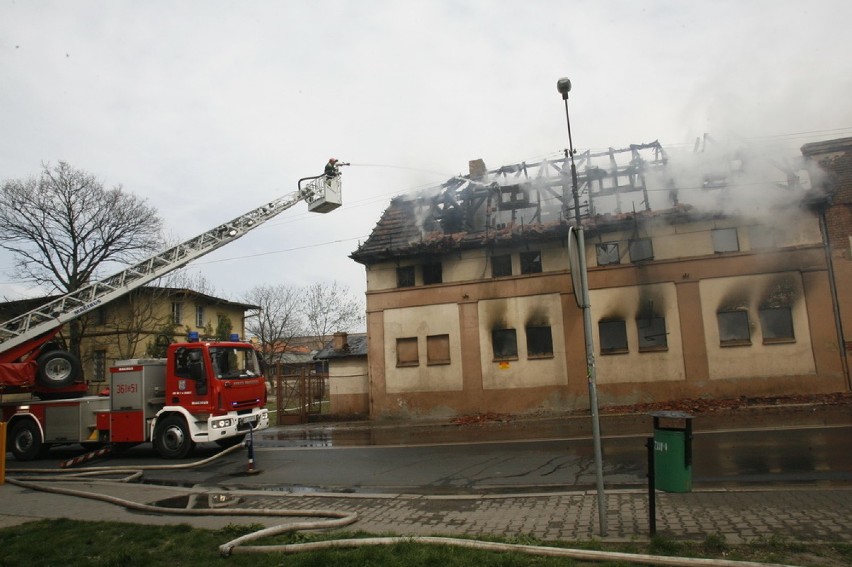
(535, 201)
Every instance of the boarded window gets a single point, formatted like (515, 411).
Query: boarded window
(652, 334)
(405, 276)
(501, 266)
(432, 273)
(733, 328)
(505, 344)
(438, 349)
(607, 253)
(177, 313)
(640, 249)
(613, 336)
(725, 240)
(539, 342)
(776, 323)
(406, 352)
(530, 262)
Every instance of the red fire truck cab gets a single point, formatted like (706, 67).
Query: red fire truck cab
(202, 391)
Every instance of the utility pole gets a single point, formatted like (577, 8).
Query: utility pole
(563, 85)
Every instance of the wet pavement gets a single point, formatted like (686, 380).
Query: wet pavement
(815, 511)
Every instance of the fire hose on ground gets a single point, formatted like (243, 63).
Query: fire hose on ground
(331, 519)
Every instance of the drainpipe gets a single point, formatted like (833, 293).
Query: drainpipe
(835, 304)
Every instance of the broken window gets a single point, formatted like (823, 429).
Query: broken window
(501, 266)
(640, 249)
(539, 342)
(725, 240)
(405, 276)
(652, 334)
(608, 253)
(776, 323)
(406, 352)
(613, 335)
(733, 328)
(432, 273)
(531, 262)
(505, 344)
(438, 349)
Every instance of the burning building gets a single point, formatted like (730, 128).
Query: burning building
(699, 285)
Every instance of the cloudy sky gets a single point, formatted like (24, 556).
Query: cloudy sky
(210, 108)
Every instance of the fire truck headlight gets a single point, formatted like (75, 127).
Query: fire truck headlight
(220, 423)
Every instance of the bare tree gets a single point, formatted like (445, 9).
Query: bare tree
(331, 307)
(279, 318)
(63, 225)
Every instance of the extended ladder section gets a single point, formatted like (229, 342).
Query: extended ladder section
(322, 196)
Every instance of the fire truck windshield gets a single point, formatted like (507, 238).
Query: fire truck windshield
(234, 362)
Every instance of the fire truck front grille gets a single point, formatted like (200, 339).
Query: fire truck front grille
(245, 404)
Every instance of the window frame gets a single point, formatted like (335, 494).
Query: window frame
(540, 330)
(646, 345)
(407, 343)
(531, 262)
(721, 238)
(505, 335)
(199, 316)
(434, 348)
(505, 261)
(773, 340)
(637, 245)
(729, 316)
(623, 346)
(404, 274)
(177, 312)
(432, 273)
(604, 250)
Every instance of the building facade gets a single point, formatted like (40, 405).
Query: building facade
(471, 306)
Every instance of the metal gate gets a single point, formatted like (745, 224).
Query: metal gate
(299, 396)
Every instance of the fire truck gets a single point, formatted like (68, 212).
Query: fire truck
(203, 391)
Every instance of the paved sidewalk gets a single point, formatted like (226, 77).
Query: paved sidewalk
(804, 514)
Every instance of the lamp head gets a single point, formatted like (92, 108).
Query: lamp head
(563, 85)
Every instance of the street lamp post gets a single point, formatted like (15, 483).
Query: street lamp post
(563, 85)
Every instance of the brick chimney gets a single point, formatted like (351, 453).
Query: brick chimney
(477, 168)
(339, 342)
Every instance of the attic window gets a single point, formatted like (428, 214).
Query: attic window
(613, 335)
(432, 273)
(725, 240)
(640, 249)
(501, 266)
(733, 328)
(405, 276)
(607, 253)
(531, 262)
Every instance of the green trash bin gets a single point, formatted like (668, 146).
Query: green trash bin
(672, 452)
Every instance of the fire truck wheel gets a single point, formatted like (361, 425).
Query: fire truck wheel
(171, 438)
(230, 441)
(58, 368)
(25, 441)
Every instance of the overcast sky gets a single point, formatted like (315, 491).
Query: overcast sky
(208, 109)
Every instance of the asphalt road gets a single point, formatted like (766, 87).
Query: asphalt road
(483, 462)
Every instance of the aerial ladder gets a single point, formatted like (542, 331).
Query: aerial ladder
(30, 359)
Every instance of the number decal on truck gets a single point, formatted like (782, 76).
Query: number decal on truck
(126, 388)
